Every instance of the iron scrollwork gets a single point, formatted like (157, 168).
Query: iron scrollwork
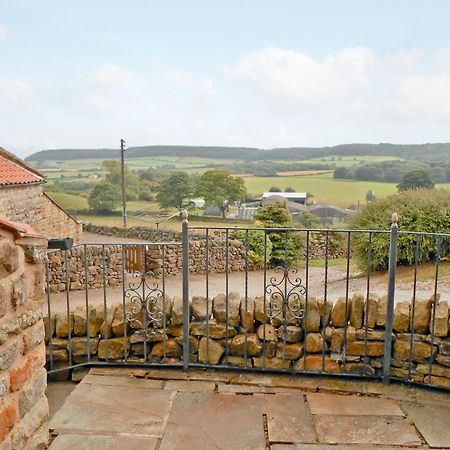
(285, 297)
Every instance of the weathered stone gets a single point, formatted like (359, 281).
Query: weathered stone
(441, 320)
(210, 351)
(64, 324)
(400, 372)
(260, 311)
(420, 350)
(215, 330)
(32, 391)
(237, 361)
(444, 347)
(201, 308)
(293, 334)
(114, 348)
(293, 309)
(8, 354)
(372, 311)
(401, 317)
(267, 332)
(290, 351)
(311, 318)
(138, 337)
(106, 328)
(160, 307)
(220, 308)
(382, 311)
(239, 343)
(315, 363)
(60, 355)
(79, 346)
(177, 311)
(315, 343)
(357, 311)
(328, 333)
(247, 314)
(441, 381)
(34, 336)
(372, 335)
(169, 348)
(436, 370)
(325, 309)
(269, 349)
(338, 335)
(49, 324)
(358, 368)
(193, 343)
(444, 360)
(422, 314)
(271, 363)
(374, 348)
(95, 322)
(341, 312)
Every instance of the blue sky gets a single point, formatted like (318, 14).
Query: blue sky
(80, 74)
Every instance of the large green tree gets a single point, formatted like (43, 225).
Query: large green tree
(104, 197)
(175, 190)
(218, 187)
(416, 179)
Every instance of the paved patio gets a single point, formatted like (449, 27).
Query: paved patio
(149, 409)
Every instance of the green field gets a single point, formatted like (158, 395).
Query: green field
(69, 201)
(324, 188)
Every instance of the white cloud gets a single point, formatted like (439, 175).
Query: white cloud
(180, 76)
(287, 78)
(110, 77)
(15, 93)
(204, 96)
(3, 31)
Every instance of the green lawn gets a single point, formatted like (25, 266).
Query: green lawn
(325, 188)
(68, 201)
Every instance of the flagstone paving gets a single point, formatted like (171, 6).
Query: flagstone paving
(113, 410)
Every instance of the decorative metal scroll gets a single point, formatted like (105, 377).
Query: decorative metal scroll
(285, 297)
(145, 304)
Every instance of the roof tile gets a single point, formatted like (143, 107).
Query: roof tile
(13, 174)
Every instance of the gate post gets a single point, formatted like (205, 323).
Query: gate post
(185, 232)
(390, 300)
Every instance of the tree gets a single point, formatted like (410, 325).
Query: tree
(289, 189)
(416, 179)
(175, 190)
(370, 196)
(218, 187)
(104, 197)
(274, 189)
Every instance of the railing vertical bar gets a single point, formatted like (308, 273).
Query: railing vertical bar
(125, 322)
(227, 343)
(435, 302)
(207, 294)
(186, 318)
(164, 316)
(246, 301)
(49, 311)
(390, 303)
(86, 295)
(285, 297)
(145, 323)
(366, 305)
(327, 239)
(305, 328)
(105, 328)
(264, 301)
(69, 324)
(413, 307)
(347, 281)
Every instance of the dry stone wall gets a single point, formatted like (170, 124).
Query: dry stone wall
(329, 338)
(23, 378)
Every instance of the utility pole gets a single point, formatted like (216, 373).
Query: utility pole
(124, 198)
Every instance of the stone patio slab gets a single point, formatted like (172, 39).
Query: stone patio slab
(102, 409)
(326, 447)
(432, 421)
(83, 442)
(189, 386)
(289, 419)
(365, 430)
(204, 421)
(345, 405)
(109, 380)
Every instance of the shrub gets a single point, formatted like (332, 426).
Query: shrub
(256, 253)
(419, 210)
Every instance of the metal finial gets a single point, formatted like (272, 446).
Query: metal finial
(394, 219)
(184, 215)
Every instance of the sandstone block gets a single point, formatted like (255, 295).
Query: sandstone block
(290, 351)
(271, 363)
(220, 308)
(314, 363)
(372, 311)
(325, 311)
(193, 343)
(64, 324)
(201, 308)
(444, 360)
(293, 333)
(267, 330)
(422, 314)
(340, 312)
(436, 370)
(382, 311)
(338, 335)
(210, 351)
(357, 311)
(440, 381)
(215, 330)
(420, 350)
(247, 314)
(169, 348)
(81, 346)
(113, 348)
(311, 318)
(401, 317)
(239, 342)
(374, 348)
(441, 320)
(315, 343)
(177, 311)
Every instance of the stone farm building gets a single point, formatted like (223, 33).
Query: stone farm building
(22, 199)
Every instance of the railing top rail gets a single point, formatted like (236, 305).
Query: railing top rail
(118, 244)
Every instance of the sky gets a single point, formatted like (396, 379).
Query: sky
(256, 73)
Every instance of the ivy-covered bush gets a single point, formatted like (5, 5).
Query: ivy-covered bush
(259, 247)
(422, 210)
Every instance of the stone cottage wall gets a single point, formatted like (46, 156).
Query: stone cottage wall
(23, 378)
(267, 342)
(28, 204)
